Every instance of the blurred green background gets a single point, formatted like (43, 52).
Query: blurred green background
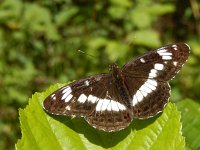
(39, 43)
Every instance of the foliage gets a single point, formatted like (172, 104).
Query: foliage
(40, 39)
(190, 124)
(41, 131)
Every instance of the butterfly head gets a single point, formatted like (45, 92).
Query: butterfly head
(114, 70)
(113, 67)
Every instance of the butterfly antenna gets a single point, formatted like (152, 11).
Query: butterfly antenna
(104, 61)
(86, 53)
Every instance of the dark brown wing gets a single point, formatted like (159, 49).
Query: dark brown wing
(98, 100)
(161, 64)
(146, 78)
(148, 96)
(113, 115)
(95, 98)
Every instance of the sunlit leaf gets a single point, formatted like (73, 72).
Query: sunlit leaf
(146, 37)
(190, 117)
(43, 131)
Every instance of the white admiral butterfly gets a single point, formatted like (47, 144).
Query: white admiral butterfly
(109, 101)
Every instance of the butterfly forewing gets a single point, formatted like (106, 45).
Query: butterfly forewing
(94, 99)
(78, 98)
(110, 101)
(161, 64)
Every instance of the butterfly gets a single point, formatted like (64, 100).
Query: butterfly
(109, 101)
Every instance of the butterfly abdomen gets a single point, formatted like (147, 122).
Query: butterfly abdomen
(118, 81)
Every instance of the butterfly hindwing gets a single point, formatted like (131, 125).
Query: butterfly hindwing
(110, 120)
(149, 97)
(110, 114)
(153, 103)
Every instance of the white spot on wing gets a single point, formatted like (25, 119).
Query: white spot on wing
(144, 93)
(166, 57)
(64, 96)
(87, 83)
(161, 50)
(65, 89)
(53, 96)
(82, 98)
(114, 106)
(145, 89)
(66, 92)
(153, 82)
(106, 104)
(67, 99)
(175, 63)
(150, 86)
(139, 96)
(109, 107)
(102, 104)
(142, 60)
(67, 107)
(99, 104)
(153, 73)
(175, 47)
(164, 54)
(135, 101)
(92, 99)
(159, 66)
(120, 106)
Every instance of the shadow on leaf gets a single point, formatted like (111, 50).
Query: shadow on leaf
(101, 138)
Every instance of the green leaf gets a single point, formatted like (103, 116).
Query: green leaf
(116, 50)
(190, 116)
(42, 22)
(43, 131)
(161, 9)
(136, 15)
(145, 37)
(124, 3)
(10, 10)
(65, 15)
(121, 11)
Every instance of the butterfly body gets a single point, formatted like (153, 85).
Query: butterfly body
(118, 82)
(109, 101)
